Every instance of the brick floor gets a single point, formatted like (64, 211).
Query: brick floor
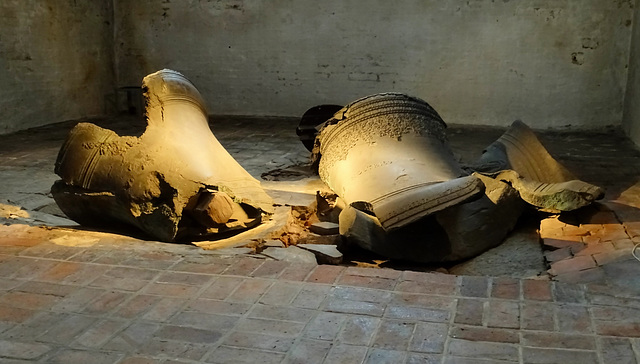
(170, 315)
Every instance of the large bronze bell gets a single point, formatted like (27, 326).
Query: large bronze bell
(388, 155)
(406, 196)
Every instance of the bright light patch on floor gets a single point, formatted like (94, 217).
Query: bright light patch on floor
(12, 212)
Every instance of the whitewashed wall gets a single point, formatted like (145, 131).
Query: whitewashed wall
(632, 98)
(56, 61)
(551, 63)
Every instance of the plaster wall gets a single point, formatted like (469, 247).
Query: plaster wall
(551, 63)
(631, 121)
(56, 61)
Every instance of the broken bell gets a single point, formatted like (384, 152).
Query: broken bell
(387, 157)
(175, 181)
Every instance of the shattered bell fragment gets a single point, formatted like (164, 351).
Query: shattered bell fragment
(386, 156)
(174, 182)
(518, 158)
